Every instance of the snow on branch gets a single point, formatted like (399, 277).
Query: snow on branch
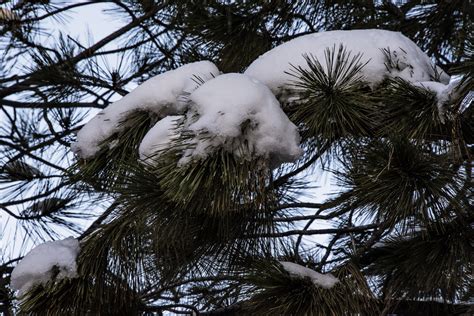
(388, 54)
(239, 112)
(241, 115)
(163, 94)
(325, 281)
(49, 261)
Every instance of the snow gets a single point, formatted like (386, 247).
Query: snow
(444, 92)
(414, 65)
(325, 281)
(163, 94)
(38, 266)
(159, 137)
(230, 110)
(241, 115)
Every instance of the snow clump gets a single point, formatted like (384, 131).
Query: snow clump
(159, 137)
(48, 261)
(241, 115)
(325, 281)
(164, 94)
(407, 60)
(239, 112)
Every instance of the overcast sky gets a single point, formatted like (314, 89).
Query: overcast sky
(87, 24)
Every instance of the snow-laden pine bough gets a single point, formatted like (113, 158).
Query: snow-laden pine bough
(201, 163)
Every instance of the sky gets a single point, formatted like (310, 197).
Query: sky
(85, 24)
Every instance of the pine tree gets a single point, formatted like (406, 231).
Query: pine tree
(215, 224)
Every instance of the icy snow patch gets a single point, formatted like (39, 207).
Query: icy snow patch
(413, 64)
(38, 266)
(159, 137)
(241, 115)
(326, 281)
(162, 94)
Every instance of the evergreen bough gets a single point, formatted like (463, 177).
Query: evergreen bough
(207, 237)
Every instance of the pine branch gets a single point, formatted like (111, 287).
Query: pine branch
(333, 99)
(284, 178)
(175, 240)
(85, 53)
(316, 231)
(277, 291)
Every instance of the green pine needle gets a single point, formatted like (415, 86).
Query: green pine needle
(334, 101)
(431, 264)
(106, 167)
(279, 293)
(397, 180)
(18, 170)
(409, 110)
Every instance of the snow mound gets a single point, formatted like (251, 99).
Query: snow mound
(53, 259)
(163, 94)
(241, 115)
(325, 281)
(159, 137)
(409, 60)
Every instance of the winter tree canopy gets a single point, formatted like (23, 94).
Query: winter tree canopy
(193, 190)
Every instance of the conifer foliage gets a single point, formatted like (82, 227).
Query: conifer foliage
(194, 193)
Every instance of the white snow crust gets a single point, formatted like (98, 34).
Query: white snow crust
(37, 266)
(159, 137)
(234, 109)
(415, 66)
(163, 94)
(325, 281)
